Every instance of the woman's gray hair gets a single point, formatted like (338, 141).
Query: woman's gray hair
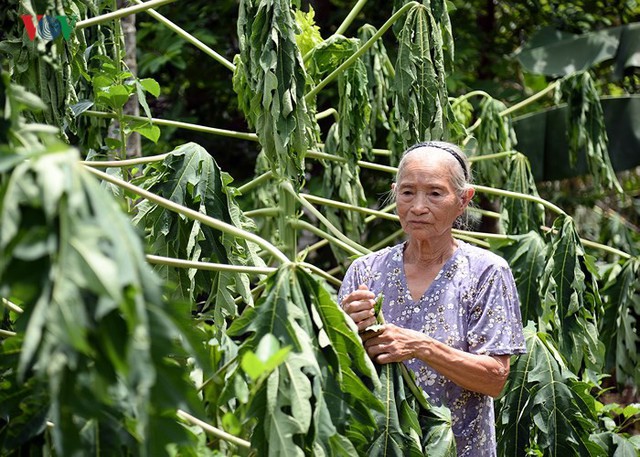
(460, 175)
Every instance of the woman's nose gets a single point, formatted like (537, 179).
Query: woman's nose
(420, 204)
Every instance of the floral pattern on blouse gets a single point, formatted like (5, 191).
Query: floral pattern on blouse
(472, 305)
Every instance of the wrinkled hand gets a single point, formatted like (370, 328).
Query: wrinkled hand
(392, 344)
(359, 306)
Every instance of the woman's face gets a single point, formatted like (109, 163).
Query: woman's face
(427, 203)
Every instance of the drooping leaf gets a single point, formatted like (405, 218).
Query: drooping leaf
(587, 133)
(540, 407)
(421, 106)
(619, 326)
(319, 378)
(520, 216)
(271, 84)
(95, 332)
(571, 300)
(190, 177)
(526, 257)
(495, 134)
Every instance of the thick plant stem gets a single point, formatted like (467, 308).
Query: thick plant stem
(123, 163)
(178, 124)
(468, 95)
(189, 38)
(180, 263)
(302, 225)
(336, 204)
(365, 47)
(7, 333)
(213, 430)
(11, 306)
(332, 228)
(206, 220)
(264, 177)
(321, 273)
(120, 13)
(289, 212)
(350, 17)
(518, 195)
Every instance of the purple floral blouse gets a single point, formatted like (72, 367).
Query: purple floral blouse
(471, 305)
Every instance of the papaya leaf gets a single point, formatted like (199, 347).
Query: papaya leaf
(570, 293)
(321, 377)
(619, 326)
(271, 84)
(94, 331)
(587, 132)
(421, 105)
(495, 134)
(190, 177)
(526, 257)
(520, 216)
(540, 404)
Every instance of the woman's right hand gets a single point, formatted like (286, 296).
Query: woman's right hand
(359, 305)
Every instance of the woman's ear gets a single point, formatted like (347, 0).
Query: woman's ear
(467, 195)
(393, 188)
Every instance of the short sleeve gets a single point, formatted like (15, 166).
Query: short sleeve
(494, 321)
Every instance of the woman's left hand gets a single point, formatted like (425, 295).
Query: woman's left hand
(392, 343)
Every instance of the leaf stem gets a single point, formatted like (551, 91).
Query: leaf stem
(255, 182)
(332, 228)
(12, 306)
(518, 195)
(184, 125)
(365, 47)
(336, 204)
(497, 155)
(180, 263)
(303, 225)
(190, 38)
(531, 99)
(350, 17)
(206, 220)
(7, 333)
(473, 93)
(321, 273)
(123, 163)
(120, 13)
(385, 242)
(327, 113)
(263, 212)
(213, 430)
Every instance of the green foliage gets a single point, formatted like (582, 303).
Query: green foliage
(587, 133)
(100, 353)
(542, 408)
(96, 344)
(190, 177)
(315, 399)
(421, 106)
(619, 326)
(270, 80)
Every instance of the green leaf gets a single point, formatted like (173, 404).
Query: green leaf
(151, 86)
(540, 406)
(527, 258)
(148, 130)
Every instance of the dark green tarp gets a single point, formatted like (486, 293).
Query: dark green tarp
(542, 137)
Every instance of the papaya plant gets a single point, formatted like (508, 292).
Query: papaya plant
(232, 331)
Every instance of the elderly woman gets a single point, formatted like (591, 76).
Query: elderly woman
(452, 309)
